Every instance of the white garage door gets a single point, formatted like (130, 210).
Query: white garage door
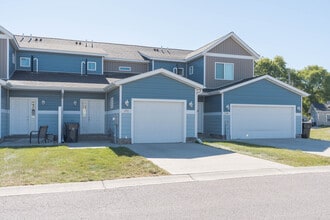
(261, 121)
(158, 121)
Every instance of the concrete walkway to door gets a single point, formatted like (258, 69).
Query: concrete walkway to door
(196, 158)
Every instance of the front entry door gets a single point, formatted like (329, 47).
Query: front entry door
(23, 115)
(92, 116)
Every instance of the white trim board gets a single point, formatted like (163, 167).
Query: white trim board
(229, 56)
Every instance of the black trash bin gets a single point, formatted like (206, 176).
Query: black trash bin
(71, 132)
(306, 129)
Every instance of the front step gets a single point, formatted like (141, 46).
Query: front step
(89, 137)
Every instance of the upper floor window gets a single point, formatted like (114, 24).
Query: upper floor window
(224, 71)
(91, 66)
(25, 62)
(191, 70)
(179, 71)
(125, 68)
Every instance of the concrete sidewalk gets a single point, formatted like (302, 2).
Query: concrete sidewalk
(119, 183)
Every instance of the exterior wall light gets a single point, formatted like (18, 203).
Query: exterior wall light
(127, 103)
(191, 104)
(227, 107)
(298, 108)
(43, 102)
(75, 102)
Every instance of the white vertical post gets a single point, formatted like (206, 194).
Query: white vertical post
(59, 136)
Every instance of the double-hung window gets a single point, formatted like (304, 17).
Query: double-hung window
(179, 71)
(224, 71)
(25, 62)
(91, 66)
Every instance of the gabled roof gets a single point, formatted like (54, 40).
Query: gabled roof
(6, 32)
(255, 79)
(321, 107)
(163, 72)
(204, 49)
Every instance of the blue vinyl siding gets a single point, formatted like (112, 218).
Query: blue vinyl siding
(198, 75)
(4, 123)
(52, 98)
(212, 103)
(126, 125)
(190, 128)
(169, 65)
(69, 117)
(70, 97)
(158, 87)
(63, 63)
(112, 124)
(11, 64)
(4, 98)
(261, 92)
(115, 94)
(298, 125)
(51, 120)
(212, 124)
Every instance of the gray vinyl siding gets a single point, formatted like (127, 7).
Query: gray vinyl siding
(320, 117)
(3, 58)
(243, 68)
(229, 46)
(113, 66)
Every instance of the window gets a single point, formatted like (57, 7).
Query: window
(91, 66)
(13, 58)
(224, 71)
(328, 118)
(179, 71)
(111, 103)
(25, 62)
(125, 68)
(191, 70)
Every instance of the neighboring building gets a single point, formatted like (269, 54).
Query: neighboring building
(139, 94)
(320, 114)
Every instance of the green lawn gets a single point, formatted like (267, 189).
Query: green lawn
(42, 165)
(290, 157)
(320, 133)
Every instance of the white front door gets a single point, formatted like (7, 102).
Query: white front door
(92, 116)
(200, 117)
(23, 115)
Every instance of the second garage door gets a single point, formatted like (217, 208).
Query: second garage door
(262, 121)
(158, 121)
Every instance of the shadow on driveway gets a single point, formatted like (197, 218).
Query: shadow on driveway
(176, 151)
(313, 146)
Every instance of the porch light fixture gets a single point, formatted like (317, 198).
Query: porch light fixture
(227, 107)
(127, 102)
(191, 104)
(43, 102)
(298, 108)
(75, 102)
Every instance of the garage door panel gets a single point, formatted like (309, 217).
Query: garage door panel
(262, 122)
(158, 122)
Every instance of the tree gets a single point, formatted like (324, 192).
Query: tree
(315, 81)
(275, 68)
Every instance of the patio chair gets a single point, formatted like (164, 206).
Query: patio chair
(42, 134)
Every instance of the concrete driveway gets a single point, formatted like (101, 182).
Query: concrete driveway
(197, 158)
(307, 145)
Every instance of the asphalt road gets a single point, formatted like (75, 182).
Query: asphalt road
(297, 196)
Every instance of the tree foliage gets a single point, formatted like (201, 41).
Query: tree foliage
(314, 80)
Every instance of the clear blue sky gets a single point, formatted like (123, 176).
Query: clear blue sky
(297, 30)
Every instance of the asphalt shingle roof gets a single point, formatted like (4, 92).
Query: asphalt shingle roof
(321, 107)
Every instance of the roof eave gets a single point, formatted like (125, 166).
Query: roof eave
(62, 51)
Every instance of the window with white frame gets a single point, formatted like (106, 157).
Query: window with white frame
(91, 66)
(179, 71)
(328, 118)
(25, 62)
(224, 71)
(125, 68)
(191, 70)
(111, 102)
(13, 58)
